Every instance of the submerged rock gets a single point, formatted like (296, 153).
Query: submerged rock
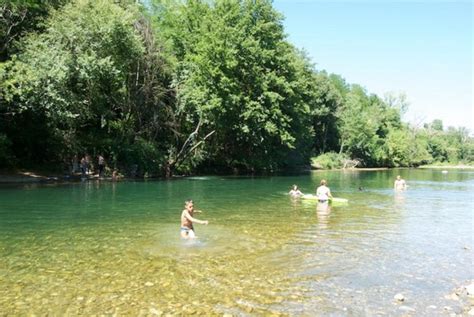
(470, 289)
(399, 297)
(156, 312)
(453, 296)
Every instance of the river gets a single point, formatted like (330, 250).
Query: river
(104, 248)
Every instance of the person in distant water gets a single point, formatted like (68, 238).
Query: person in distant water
(399, 184)
(101, 162)
(323, 192)
(295, 192)
(187, 220)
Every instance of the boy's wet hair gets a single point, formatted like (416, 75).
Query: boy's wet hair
(188, 201)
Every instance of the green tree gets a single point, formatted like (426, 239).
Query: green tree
(93, 81)
(328, 100)
(459, 145)
(359, 122)
(238, 76)
(453, 145)
(20, 17)
(404, 148)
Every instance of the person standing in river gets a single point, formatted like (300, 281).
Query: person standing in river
(323, 208)
(187, 220)
(323, 192)
(295, 192)
(399, 184)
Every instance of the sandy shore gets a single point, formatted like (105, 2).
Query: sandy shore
(445, 167)
(352, 169)
(36, 177)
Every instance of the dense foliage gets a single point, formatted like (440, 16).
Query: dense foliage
(189, 86)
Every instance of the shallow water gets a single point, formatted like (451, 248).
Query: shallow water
(113, 248)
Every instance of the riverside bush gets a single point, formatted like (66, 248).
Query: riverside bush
(330, 160)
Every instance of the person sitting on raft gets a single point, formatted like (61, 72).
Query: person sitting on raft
(295, 192)
(187, 229)
(323, 192)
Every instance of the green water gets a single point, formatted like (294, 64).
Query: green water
(102, 248)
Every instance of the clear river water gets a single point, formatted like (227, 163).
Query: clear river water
(105, 248)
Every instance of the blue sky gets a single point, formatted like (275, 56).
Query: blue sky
(420, 48)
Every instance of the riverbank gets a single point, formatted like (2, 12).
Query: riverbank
(462, 166)
(26, 177)
(30, 176)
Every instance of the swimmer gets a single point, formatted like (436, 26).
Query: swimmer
(399, 184)
(187, 220)
(295, 192)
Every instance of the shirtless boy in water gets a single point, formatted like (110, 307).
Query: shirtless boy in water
(187, 229)
(399, 184)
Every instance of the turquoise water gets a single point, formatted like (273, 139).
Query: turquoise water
(114, 248)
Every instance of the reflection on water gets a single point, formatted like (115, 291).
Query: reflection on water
(114, 248)
(399, 199)
(323, 211)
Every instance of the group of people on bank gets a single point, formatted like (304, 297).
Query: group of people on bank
(86, 166)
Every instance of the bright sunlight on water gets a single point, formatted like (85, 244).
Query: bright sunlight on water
(108, 248)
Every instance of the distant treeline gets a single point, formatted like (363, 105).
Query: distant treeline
(189, 86)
